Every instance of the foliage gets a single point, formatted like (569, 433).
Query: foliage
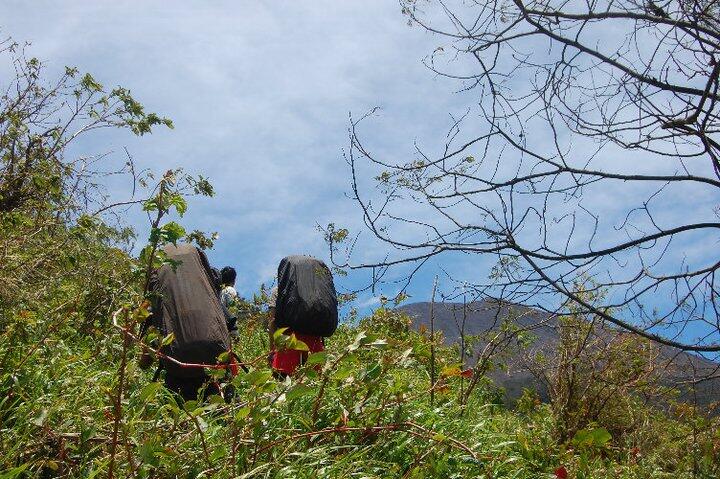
(50, 234)
(597, 375)
(74, 402)
(360, 409)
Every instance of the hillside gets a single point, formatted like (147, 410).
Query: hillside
(80, 396)
(487, 316)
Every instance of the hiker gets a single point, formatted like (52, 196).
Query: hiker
(227, 279)
(304, 302)
(228, 296)
(186, 303)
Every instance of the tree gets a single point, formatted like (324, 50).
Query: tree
(589, 150)
(52, 230)
(597, 375)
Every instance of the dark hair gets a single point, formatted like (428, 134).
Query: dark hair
(228, 275)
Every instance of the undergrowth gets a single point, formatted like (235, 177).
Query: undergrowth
(74, 402)
(360, 410)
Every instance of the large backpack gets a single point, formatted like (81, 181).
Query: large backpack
(306, 300)
(187, 305)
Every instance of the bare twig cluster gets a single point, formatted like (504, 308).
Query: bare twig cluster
(589, 150)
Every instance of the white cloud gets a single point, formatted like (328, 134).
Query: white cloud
(260, 93)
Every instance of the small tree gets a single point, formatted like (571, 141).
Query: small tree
(595, 374)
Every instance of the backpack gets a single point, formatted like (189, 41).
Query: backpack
(187, 305)
(306, 298)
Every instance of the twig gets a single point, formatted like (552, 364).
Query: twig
(406, 426)
(164, 356)
(196, 422)
(117, 406)
(432, 344)
(321, 391)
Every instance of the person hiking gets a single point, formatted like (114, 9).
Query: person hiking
(228, 296)
(185, 302)
(227, 279)
(305, 303)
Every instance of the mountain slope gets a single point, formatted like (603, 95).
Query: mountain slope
(488, 316)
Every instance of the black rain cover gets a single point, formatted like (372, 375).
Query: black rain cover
(190, 308)
(306, 300)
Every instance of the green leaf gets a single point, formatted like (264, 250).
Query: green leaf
(597, 437)
(218, 453)
(279, 332)
(317, 358)
(600, 436)
(178, 202)
(217, 374)
(141, 313)
(296, 344)
(168, 339)
(150, 390)
(147, 452)
(299, 390)
(150, 205)
(203, 187)
(89, 83)
(171, 232)
(155, 235)
(258, 377)
(373, 372)
(344, 371)
(242, 413)
(13, 473)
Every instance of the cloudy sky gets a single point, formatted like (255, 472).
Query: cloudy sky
(260, 94)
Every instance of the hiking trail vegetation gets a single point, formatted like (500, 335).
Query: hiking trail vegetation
(386, 399)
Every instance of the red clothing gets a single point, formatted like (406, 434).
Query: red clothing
(288, 360)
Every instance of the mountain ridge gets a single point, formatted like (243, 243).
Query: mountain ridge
(488, 315)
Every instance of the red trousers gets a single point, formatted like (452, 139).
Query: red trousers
(288, 360)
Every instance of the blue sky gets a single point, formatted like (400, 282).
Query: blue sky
(260, 94)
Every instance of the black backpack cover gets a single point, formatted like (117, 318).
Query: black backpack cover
(187, 305)
(306, 300)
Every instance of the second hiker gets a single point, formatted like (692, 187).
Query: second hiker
(305, 303)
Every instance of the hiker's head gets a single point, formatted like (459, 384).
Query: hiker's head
(227, 276)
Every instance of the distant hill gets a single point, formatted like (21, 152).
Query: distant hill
(486, 316)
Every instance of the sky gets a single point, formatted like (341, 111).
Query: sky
(260, 94)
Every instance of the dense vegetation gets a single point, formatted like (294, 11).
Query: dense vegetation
(75, 403)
